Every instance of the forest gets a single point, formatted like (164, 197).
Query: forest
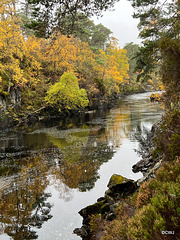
(54, 58)
(78, 66)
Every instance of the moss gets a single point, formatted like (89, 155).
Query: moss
(98, 207)
(117, 179)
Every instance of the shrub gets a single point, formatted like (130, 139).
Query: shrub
(66, 93)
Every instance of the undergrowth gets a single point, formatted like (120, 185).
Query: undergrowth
(157, 209)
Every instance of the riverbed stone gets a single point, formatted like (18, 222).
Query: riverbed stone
(120, 186)
(98, 207)
(109, 199)
(116, 180)
(82, 232)
(101, 199)
(118, 183)
(143, 165)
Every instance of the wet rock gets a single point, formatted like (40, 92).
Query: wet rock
(101, 199)
(82, 232)
(110, 216)
(108, 193)
(98, 207)
(120, 186)
(109, 199)
(143, 165)
(116, 180)
(150, 173)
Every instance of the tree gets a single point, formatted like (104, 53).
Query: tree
(97, 36)
(48, 16)
(25, 14)
(159, 28)
(11, 47)
(100, 37)
(112, 68)
(66, 93)
(157, 19)
(132, 50)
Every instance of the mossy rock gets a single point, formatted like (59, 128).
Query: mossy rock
(117, 180)
(121, 186)
(98, 207)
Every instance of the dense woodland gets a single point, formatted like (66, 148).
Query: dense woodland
(65, 69)
(57, 57)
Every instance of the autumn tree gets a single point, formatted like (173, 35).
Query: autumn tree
(112, 68)
(66, 93)
(20, 59)
(11, 47)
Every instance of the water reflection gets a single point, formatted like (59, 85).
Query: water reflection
(67, 155)
(23, 204)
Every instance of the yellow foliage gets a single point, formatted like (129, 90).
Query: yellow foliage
(11, 45)
(33, 58)
(66, 53)
(26, 61)
(113, 68)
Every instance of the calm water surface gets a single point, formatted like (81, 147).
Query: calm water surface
(68, 168)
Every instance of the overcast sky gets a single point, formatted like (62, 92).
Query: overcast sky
(121, 23)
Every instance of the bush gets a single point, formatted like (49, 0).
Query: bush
(66, 94)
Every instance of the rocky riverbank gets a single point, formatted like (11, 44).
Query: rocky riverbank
(12, 112)
(119, 189)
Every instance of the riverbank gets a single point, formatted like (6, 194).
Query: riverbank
(152, 201)
(91, 149)
(12, 113)
(119, 190)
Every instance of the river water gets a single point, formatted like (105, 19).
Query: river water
(49, 172)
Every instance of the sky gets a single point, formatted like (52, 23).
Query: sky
(121, 23)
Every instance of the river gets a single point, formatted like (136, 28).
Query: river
(49, 172)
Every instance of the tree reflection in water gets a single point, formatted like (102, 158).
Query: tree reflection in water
(23, 204)
(73, 154)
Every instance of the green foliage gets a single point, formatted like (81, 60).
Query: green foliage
(132, 50)
(157, 208)
(159, 28)
(161, 211)
(97, 36)
(152, 83)
(49, 16)
(100, 37)
(95, 221)
(66, 93)
(168, 139)
(170, 50)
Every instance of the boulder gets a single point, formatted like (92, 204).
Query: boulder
(82, 232)
(143, 165)
(120, 186)
(98, 207)
(117, 180)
